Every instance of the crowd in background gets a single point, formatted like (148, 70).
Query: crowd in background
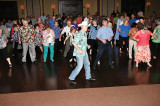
(57, 33)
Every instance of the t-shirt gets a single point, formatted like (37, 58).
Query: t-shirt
(125, 29)
(131, 21)
(143, 38)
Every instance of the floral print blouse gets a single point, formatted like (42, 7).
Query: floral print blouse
(46, 35)
(27, 34)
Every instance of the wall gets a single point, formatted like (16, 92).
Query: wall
(19, 2)
(93, 8)
(107, 7)
(155, 6)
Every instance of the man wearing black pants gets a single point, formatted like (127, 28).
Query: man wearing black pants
(104, 36)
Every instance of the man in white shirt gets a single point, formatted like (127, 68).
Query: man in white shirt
(66, 30)
(87, 18)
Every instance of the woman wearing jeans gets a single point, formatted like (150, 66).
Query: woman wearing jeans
(48, 42)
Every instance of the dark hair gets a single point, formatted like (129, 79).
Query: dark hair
(141, 18)
(15, 25)
(48, 26)
(72, 28)
(133, 25)
(104, 20)
(36, 25)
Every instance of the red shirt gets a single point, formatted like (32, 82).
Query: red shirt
(143, 38)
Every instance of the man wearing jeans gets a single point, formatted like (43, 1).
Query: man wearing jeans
(104, 36)
(27, 33)
(80, 51)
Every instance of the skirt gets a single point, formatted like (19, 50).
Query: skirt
(143, 54)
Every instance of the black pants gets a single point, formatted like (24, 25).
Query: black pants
(57, 45)
(15, 48)
(155, 48)
(94, 45)
(121, 39)
(70, 55)
(101, 48)
(4, 52)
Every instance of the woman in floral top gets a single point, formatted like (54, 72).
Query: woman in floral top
(48, 42)
(38, 37)
(3, 47)
(156, 42)
(40, 23)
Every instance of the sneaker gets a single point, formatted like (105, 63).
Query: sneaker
(10, 65)
(91, 79)
(72, 81)
(70, 60)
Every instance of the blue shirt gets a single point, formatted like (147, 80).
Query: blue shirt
(125, 29)
(93, 32)
(51, 22)
(131, 21)
(105, 33)
(9, 24)
(57, 32)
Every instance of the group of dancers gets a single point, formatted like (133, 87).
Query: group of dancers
(80, 34)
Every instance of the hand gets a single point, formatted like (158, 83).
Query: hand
(11, 40)
(60, 39)
(156, 38)
(88, 37)
(64, 42)
(80, 51)
(122, 32)
(48, 37)
(20, 42)
(110, 39)
(104, 41)
(4, 43)
(88, 46)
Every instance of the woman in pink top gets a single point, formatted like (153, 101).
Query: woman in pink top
(143, 53)
(79, 19)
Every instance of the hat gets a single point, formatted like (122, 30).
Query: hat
(84, 23)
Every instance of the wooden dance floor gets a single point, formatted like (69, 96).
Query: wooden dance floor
(140, 95)
(29, 77)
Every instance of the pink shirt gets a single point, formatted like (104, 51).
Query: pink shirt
(79, 20)
(143, 38)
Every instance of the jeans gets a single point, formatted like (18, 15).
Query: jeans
(80, 61)
(132, 44)
(51, 47)
(101, 48)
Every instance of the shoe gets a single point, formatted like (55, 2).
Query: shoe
(10, 65)
(154, 57)
(34, 61)
(91, 79)
(72, 81)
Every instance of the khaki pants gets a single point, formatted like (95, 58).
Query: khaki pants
(132, 44)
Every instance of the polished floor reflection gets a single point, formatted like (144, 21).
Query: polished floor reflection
(27, 77)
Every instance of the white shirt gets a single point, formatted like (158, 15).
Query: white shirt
(66, 29)
(86, 19)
